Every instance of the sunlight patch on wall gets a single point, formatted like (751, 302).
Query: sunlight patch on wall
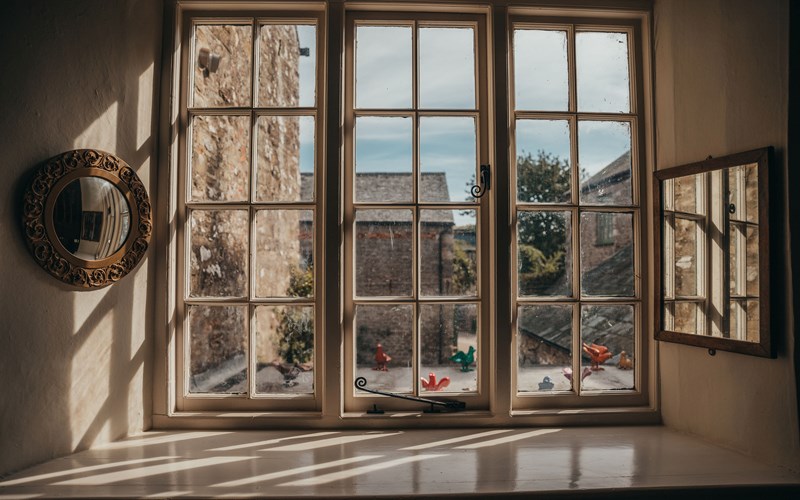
(102, 133)
(145, 107)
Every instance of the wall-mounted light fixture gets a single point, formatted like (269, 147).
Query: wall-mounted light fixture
(208, 61)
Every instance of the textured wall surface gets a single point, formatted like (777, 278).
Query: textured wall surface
(75, 365)
(722, 87)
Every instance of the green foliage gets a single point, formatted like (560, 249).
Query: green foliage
(544, 178)
(537, 271)
(463, 270)
(296, 327)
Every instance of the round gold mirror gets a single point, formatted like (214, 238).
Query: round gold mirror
(87, 218)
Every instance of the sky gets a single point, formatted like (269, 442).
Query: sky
(446, 81)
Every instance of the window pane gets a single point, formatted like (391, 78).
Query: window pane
(544, 348)
(687, 191)
(607, 268)
(448, 255)
(287, 65)
(220, 158)
(540, 70)
(544, 253)
(383, 253)
(686, 317)
(687, 253)
(219, 249)
(446, 68)
(384, 347)
(604, 159)
(284, 253)
(607, 336)
(753, 324)
(222, 65)
(217, 349)
(383, 159)
(447, 152)
(383, 67)
(284, 349)
(751, 192)
(543, 161)
(735, 237)
(602, 72)
(449, 343)
(285, 162)
(752, 260)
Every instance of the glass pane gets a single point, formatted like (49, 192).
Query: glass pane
(284, 250)
(449, 343)
(222, 65)
(544, 348)
(604, 160)
(607, 338)
(602, 72)
(383, 159)
(686, 257)
(686, 317)
(285, 162)
(220, 158)
(734, 323)
(752, 260)
(219, 246)
(753, 325)
(384, 347)
(607, 261)
(543, 161)
(287, 65)
(383, 253)
(735, 190)
(736, 238)
(687, 191)
(218, 349)
(751, 192)
(447, 156)
(448, 252)
(446, 68)
(284, 349)
(383, 67)
(544, 253)
(540, 70)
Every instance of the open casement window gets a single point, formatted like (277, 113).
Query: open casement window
(416, 266)
(704, 214)
(250, 202)
(576, 187)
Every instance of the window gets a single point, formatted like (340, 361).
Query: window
(576, 211)
(320, 240)
(703, 214)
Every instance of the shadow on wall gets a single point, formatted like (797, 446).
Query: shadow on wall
(75, 365)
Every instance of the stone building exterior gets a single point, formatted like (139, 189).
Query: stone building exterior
(545, 335)
(220, 171)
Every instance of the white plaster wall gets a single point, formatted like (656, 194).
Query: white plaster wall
(74, 365)
(721, 76)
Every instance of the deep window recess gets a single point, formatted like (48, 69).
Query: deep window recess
(288, 287)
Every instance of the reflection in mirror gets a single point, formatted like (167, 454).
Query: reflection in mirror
(91, 218)
(714, 253)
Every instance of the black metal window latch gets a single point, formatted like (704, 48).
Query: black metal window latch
(484, 184)
(361, 383)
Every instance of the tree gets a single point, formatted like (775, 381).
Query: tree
(296, 327)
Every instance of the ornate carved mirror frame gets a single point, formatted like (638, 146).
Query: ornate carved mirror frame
(38, 218)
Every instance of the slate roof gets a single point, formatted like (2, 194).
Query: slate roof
(601, 184)
(392, 187)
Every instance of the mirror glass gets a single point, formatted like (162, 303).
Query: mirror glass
(714, 253)
(91, 218)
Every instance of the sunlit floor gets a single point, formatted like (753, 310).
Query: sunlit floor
(598, 461)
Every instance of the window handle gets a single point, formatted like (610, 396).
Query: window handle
(485, 182)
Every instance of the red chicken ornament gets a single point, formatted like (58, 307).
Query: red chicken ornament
(598, 355)
(431, 385)
(381, 359)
